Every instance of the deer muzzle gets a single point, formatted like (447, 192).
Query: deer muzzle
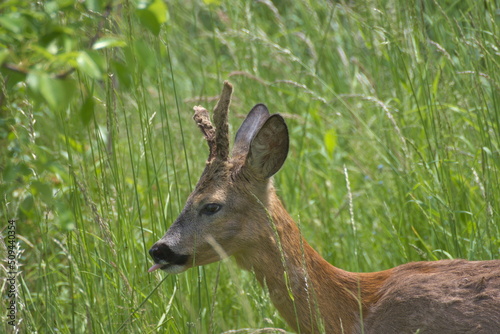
(166, 259)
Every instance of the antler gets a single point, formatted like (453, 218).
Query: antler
(218, 138)
(202, 118)
(221, 111)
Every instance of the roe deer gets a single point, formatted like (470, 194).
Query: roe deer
(234, 211)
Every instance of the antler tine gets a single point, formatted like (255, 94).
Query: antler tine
(221, 125)
(202, 119)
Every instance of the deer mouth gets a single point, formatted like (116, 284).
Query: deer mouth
(157, 266)
(166, 259)
(169, 268)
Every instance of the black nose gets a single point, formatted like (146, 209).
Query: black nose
(160, 252)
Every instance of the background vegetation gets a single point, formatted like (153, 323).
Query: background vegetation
(99, 152)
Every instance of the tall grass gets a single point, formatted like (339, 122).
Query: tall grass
(399, 98)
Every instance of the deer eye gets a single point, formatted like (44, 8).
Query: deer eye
(210, 208)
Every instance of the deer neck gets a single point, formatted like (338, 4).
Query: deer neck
(300, 281)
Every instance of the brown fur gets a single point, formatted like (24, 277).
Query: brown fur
(448, 296)
(251, 224)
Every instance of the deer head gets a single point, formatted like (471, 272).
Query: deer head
(224, 214)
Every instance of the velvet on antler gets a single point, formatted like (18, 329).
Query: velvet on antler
(202, 119)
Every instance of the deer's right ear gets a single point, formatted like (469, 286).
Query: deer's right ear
(269, 148)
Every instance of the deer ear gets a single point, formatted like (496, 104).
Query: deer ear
(269, 148)
(248, 130)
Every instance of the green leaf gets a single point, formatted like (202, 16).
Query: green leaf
(65, 3)
(152, 15)
(149, 21)
(330, 140)
(123, 73)
(87, 65)
(33, 81)
(144, 55)
(87, 110)
(212, 2)
(159, 9)
(14, 77)
(51, 7)
(94, 5)
(108, 42)
(56, 92)
(13, 22)
(487, 150)
(27, 205)
(12, 172)
(4, 53)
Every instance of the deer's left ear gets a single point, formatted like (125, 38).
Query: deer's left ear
(269, 148)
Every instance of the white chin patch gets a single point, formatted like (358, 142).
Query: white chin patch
(174, 269)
